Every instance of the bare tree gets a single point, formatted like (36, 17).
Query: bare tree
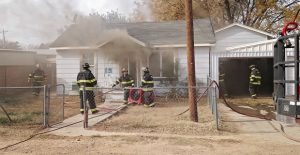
(267, 15)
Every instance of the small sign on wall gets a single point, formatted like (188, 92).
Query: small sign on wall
(108, 72)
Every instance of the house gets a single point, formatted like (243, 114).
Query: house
(161, 46)
(110, 46)
(15, 65)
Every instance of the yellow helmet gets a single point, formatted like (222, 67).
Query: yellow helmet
(251, 66)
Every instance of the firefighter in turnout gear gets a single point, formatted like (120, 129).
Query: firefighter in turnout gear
(86, 79)
(37, 78)
(222, 83)
(147, 87)
(254, 81)
(126, 82)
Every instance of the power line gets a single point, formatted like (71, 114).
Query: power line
(3, 38)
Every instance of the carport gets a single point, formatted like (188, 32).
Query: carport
(237, 75)
(235, 62)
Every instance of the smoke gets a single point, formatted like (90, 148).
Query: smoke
(41, 21)
(35, 20)
(142, 11)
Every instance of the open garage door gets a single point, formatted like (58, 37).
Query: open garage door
(237, 75)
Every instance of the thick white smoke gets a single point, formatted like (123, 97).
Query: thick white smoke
(38, 21)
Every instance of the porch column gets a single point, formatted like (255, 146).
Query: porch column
(137, 73)
(174, 62)
(160, 64)
(96, 64)
(128, 64)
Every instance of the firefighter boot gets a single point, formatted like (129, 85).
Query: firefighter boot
(94, 111)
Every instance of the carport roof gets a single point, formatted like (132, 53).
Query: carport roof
(149, 33)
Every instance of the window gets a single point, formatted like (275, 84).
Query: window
(162, 64)
(108, 72)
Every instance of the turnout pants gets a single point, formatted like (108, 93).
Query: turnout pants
(126, 94)
(223, 88)
(36, 90)
(89, 96)
(253, 90)
(148, 97)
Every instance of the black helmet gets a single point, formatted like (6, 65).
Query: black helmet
(146, 69)
(86, 65)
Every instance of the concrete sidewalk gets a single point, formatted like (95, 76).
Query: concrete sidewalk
(73, 126)
(252, 125)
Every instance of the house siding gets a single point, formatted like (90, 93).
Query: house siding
(235, 36)
(201, 64)
(67, 68)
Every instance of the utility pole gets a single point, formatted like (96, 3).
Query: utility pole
(3, 39)
(191, 60)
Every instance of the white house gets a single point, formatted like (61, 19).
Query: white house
(109, 47)
(161, 46)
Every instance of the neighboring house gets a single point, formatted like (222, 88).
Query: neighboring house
(238, 46)
(109, 47)
(15, 65)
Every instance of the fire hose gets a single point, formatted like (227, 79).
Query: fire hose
(5, 113)
(282, 131)
(44, 132)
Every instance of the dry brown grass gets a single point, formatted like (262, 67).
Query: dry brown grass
(161, 119)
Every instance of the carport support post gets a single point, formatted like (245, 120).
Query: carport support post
(191, 60)
(296, 55)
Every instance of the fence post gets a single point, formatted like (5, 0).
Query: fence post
(63, 103)
(216, 108)
(85, 114)
(44, 106)
(48, 105)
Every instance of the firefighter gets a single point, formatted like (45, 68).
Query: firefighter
(254, 81)
(126, 82)
(222, 83)
(147, 86)
(86, 79)
(37, 78)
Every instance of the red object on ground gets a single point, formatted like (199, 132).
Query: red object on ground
(135, 96)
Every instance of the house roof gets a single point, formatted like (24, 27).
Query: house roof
(245, 27)
(83, 34)
(144, 33)
(17, 50)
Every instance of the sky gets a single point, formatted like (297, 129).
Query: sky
(39, 21)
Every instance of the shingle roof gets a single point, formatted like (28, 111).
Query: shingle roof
(150, 33)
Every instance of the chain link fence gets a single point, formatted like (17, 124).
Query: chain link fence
(212, 99)
(38, 105)
(48, 108)
(23, 105)
(160, 95)
(55, 104)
